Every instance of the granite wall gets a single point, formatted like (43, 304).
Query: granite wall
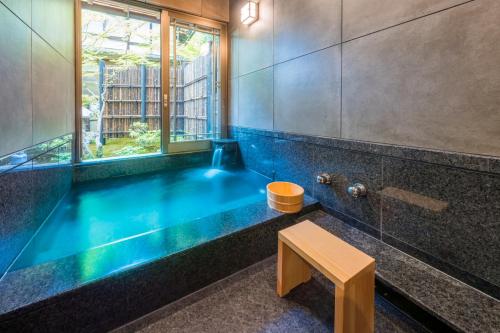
(402, 96)
(99, 170)
(32, 182)
(440, 207)
(36, 116)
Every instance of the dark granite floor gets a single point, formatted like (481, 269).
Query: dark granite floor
(247, 302)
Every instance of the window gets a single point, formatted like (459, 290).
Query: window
(194, 82)
(121, 83)
(152, 81)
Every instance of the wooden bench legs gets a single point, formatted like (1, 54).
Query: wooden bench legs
(292, 269)
(354, 304)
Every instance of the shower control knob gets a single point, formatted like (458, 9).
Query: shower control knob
(324, 178)
(357, 190)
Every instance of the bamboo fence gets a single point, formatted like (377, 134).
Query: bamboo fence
(190, 102)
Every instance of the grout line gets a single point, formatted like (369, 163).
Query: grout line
(237, 77)
(407, 21)
(238, 91)
(8, 171)
(403, 311)
(215, 285)
(413, 257)
(33, 236)
(346, 41)
(381, 199)
(313, 189)
(31, 80)
(36, 33)
(36, 144)
(255, 71)
(139, 321)
(35, 156)
(10, 10)
(435, 268)
(341, 62)
(289, 60)
(391, 145)
(308, 53)
(274, 69)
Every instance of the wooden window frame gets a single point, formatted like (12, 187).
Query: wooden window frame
(167, 147)
(77, 148)
(187, 146)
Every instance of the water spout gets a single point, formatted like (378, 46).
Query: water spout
(217, 158)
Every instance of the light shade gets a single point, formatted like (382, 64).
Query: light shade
(250, 12)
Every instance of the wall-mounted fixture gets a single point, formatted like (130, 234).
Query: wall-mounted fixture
(249, 12)
(324, 178)
(357, 190)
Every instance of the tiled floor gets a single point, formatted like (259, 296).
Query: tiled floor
(247, 302)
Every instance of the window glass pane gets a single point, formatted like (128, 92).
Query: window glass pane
(121, 83)
(194, 82)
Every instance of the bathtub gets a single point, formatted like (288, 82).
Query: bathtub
(106, 212)
(116, 249)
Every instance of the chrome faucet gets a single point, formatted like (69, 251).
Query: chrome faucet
(324, 178)
(357, 190)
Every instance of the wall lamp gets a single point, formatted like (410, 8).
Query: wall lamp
(249, 12)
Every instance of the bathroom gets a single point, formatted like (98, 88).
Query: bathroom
(143, 144)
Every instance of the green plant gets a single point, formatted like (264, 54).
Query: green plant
(146, 141)
(143, 136)
(129, 150)
(65, 156)
(56, 143)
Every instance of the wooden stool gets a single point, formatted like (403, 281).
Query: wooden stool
(352, 271)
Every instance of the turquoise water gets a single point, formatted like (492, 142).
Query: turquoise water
(110, 211)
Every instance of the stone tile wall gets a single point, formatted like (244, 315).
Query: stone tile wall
(32, 182)
(438, 206)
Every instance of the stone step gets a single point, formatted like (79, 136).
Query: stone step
(459, 305)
